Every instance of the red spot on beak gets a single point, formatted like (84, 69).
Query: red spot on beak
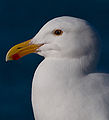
(15, 57)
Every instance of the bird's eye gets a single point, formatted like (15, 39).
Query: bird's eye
(57, 32)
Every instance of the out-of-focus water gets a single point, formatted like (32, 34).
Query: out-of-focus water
(16, 79)
(21, 20)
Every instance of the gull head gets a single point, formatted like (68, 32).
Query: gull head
(67, 37)
(61, 37)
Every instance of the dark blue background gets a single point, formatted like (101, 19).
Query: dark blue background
(20, 20)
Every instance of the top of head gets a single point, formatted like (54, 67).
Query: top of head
(67, 37)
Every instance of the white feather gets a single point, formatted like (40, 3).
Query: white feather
(64, 85)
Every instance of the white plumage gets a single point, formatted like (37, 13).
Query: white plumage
(65, 86)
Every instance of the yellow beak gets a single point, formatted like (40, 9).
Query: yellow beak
(22, 49)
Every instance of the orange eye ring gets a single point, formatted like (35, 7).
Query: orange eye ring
(58, 32)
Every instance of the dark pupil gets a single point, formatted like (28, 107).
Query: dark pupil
(58, 32)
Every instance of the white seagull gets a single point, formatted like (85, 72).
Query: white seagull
(65, 86)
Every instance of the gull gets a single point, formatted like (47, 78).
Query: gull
(65, 85)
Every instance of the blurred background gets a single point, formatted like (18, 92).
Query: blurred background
(21, 20)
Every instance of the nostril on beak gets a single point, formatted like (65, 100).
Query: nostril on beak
(19, 47)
